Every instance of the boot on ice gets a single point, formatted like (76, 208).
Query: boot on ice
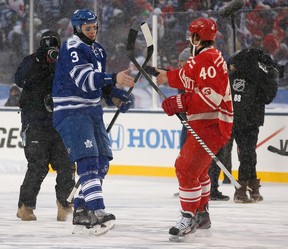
(26, 213)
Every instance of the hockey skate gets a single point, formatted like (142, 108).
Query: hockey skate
(203, 219)
(184, 226)
(26, 213)
(92, 223)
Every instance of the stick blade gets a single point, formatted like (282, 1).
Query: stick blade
(136, 25)
(133, 32)
(277, 151)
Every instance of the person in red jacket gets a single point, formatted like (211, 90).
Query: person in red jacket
(207, 103)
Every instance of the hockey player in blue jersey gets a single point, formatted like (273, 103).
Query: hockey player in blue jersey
(80, 82)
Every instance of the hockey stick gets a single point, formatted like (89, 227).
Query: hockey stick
(277, 151)
(130, 54)
(150, 50)
(73, 191)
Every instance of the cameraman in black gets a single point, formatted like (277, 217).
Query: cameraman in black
(42, 144)
(253, 78)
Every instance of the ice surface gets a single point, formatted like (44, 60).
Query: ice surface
(145, 209)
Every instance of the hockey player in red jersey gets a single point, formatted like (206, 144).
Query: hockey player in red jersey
(208, 106)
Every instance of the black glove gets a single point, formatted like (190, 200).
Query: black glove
(52, 55)
(119, 98)
(151, 70)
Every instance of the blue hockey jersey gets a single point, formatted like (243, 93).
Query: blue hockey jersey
(79, 78)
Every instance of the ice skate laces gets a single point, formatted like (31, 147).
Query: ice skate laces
(184, 220)
(185, 224)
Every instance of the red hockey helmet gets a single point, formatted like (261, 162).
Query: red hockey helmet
(206, 28)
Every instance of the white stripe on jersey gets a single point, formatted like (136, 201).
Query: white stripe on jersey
(72, 107)
(79, 68)
(211, 115)
(217, 62)
(75, 99)
(214, 97)
(91, 81)
(74, 103)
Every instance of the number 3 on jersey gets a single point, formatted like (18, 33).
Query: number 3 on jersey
(74, 56)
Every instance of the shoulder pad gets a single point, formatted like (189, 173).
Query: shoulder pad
(73, 42)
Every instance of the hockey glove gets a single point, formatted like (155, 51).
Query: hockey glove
(175, 104)
(119, 98)
(52, 55)
(151, 70)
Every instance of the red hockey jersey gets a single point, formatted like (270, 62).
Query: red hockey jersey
(205, 79)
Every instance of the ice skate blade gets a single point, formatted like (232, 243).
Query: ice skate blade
(184, 238)
(96, 230)
(204, 233)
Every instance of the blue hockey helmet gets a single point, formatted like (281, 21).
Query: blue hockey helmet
(83, 16)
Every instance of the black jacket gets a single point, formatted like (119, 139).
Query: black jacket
(35, 76)
(253, 85)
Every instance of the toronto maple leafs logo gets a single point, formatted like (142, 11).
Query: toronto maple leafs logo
(88, 143)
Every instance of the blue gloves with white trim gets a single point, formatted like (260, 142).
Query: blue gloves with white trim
(118, 97)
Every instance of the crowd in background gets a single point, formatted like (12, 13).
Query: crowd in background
(260, 23)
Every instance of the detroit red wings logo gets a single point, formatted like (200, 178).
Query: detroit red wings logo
(206, 90)
(187, 82)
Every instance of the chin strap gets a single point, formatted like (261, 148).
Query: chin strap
(193, 50)
(84, 38)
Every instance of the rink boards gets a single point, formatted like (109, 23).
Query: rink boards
(146, 143)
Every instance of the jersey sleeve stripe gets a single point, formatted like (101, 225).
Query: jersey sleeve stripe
(91, 82)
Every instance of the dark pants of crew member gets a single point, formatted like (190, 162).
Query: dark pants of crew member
(44, 146)
(224, 155)
(246, 140)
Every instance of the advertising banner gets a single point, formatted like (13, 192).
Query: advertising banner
(147, 143)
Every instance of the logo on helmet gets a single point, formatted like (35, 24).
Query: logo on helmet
(83, 16)
(206, 28)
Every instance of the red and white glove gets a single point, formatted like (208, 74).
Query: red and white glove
(52, 55)
(175, 104)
